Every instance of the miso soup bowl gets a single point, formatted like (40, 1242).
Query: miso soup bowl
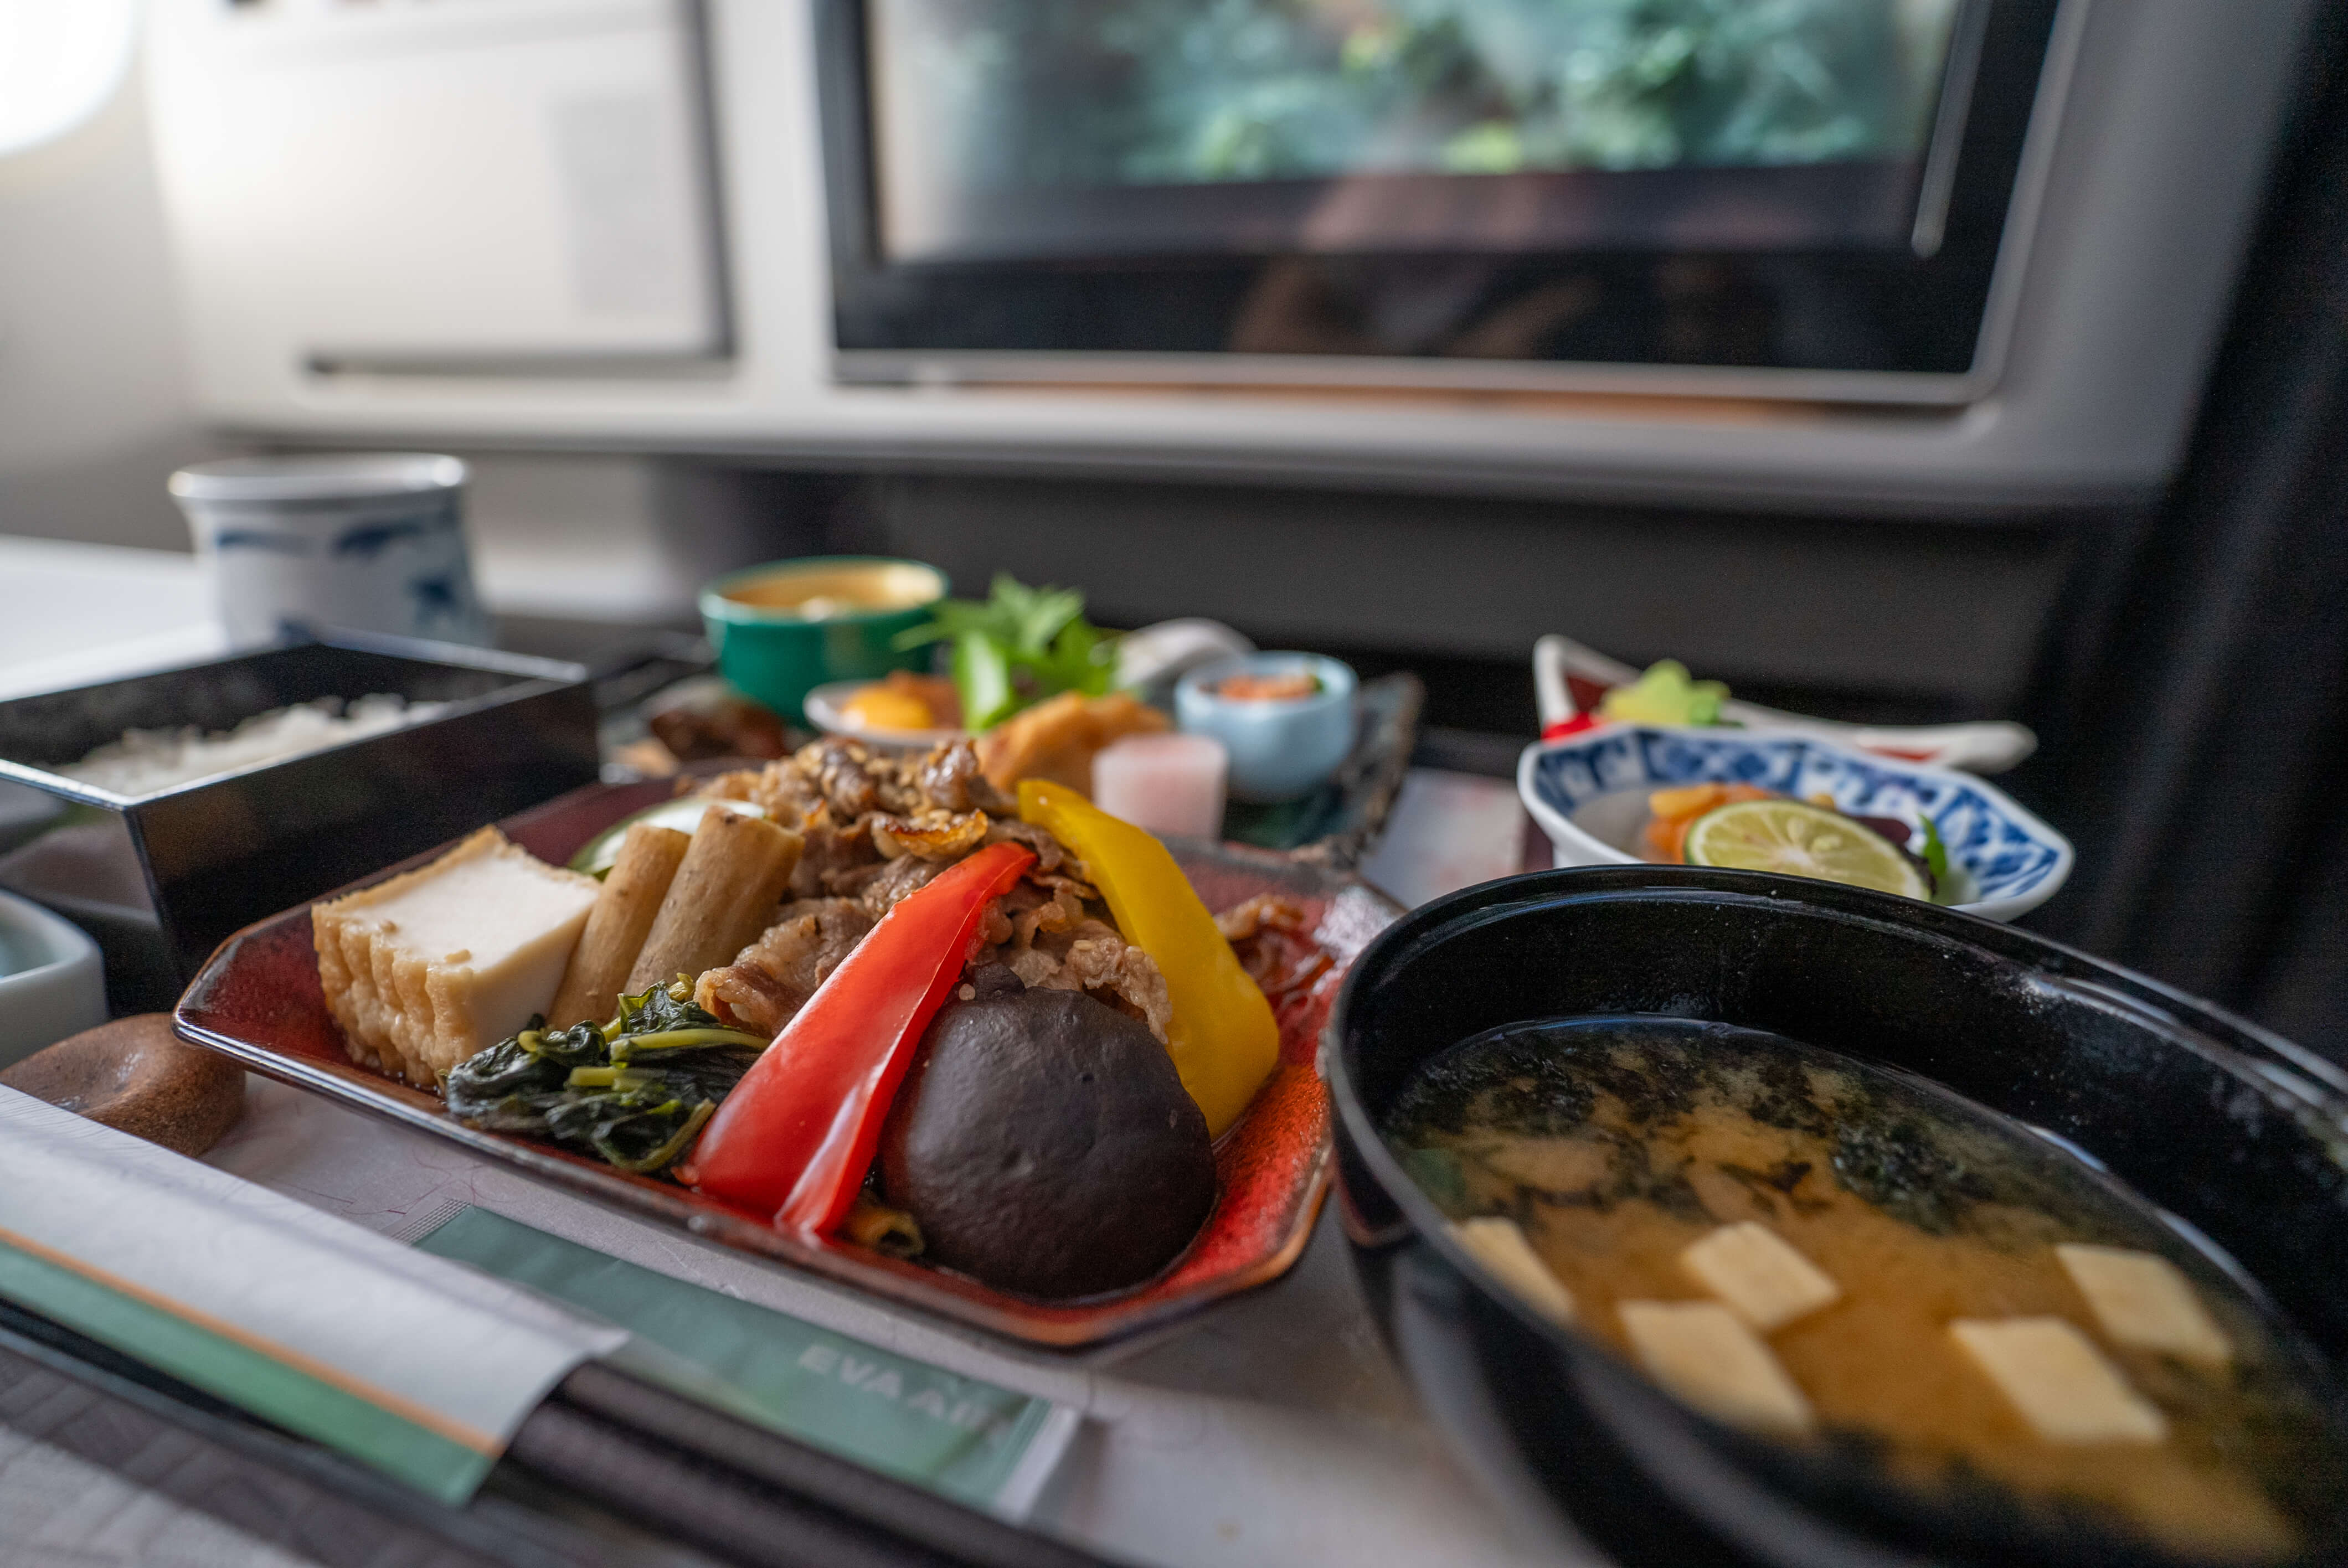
(2239, 1135)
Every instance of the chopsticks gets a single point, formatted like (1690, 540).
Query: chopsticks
(753, 1495)
(669, 1467)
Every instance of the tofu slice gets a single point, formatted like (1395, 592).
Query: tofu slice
(1759, 1275)
(2053, 1374)
(1709, 1357)
(2145, 1302)
(1497, 1244)
(442, 962)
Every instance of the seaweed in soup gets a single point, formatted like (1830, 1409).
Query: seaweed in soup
(1897, 1164)
(1784, 1096)
(1521, 1083)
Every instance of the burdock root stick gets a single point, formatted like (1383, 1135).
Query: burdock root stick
(616, 927)
(724, 895)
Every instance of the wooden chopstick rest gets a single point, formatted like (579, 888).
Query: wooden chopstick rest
(135, 1075)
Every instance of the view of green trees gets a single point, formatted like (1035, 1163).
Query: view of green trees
(1045, 92)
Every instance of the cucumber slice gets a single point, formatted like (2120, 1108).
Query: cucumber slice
(683, 813)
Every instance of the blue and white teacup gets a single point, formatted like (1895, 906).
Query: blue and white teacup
(360, 542)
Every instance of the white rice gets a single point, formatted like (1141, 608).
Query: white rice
(145, 761)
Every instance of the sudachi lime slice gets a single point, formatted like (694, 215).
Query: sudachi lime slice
(1798, 839)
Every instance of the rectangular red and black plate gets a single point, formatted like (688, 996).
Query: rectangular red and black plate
(259, 1001)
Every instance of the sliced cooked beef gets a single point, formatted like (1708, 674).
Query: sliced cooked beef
(1241, 921)
(849, 773)
(878, 828)
(774, 976)
(1062, 912)
(1048, 952)
(832, 855)
(778, 789)
(939, 836)
(1104, 966)
(853, 882)
(1050, 855)
(841, 775)
(951, 778)
(1273, 939)
(994, 931)
(1038, 969)
(904, 875)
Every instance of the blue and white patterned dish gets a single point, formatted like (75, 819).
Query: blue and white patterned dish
(1588, 792)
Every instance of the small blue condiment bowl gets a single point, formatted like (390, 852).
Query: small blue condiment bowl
(1281, 751)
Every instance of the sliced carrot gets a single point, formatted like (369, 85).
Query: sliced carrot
(1660, 832)
(1675, 811)
(1690, 800)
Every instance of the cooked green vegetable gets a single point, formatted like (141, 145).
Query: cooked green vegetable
(1020, 646)
(683, 814)
(633, 1092)
(1935, 856)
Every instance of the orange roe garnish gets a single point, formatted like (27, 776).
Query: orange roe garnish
(1286, 686)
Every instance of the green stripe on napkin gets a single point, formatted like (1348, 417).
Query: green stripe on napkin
(954, 1435)
(253, 1374)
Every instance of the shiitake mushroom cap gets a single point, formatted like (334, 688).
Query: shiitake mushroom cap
(1046, 1144)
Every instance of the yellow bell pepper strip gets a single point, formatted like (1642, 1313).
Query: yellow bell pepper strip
(796, 1135)
(1222, 1036)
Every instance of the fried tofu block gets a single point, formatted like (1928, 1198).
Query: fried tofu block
(1500, 1247)
(1759, 1275)
(1708, 1355)
(2055, 1376)
(2143, 1301)
(444, 961)
(1059, 738)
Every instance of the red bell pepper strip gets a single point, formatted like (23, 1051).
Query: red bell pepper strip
(796, 1135)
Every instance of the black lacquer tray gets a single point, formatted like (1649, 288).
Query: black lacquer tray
(161, 879)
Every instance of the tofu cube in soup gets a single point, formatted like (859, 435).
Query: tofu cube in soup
(1759, 1275)
(2057, 1381)
(1706, 1355)
(1499, 1245)
(2144, 1302)
(442, 962)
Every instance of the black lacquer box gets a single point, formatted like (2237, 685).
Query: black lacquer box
(160, 879)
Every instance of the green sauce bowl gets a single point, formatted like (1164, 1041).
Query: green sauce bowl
(776, 644)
